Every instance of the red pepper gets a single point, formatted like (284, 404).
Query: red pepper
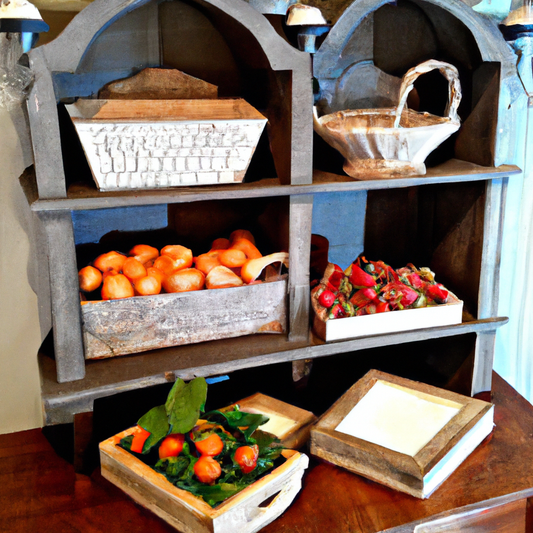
(362, 297)
(333, 275)
(414, 280)
(382, 307)
(337, 311)
(359, 278)
(399, 293)
(438, 293)
(139, 437)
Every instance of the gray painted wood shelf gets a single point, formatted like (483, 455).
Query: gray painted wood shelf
(450, 219)
(82, 197)
(108, 376)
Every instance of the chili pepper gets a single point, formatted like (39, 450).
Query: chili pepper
(437, 292)
(362, 297)
(382, 307)
(337, 311)
(359, 278)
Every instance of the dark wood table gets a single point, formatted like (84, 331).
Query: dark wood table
(488, 492)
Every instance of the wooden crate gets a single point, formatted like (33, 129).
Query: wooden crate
(137, 324)
(416, 460)
(290, 424)
(245, 512)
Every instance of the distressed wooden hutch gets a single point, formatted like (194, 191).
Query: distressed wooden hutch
(450, 219)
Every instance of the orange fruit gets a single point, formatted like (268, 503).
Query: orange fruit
(220, 244)
(115, 287)
(247, 247)
(133, 268)
(90, 278)
(144, 253)
(232, 258)
(109, 261)
(155, 273)
(165, 264)
(181, 255)
(109, 273)
(208, 261)
(147, 286)
(187, 279)
(240, 234)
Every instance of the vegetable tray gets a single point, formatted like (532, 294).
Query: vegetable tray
(245, 512)
(383, 323)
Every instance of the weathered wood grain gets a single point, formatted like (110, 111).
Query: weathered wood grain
(64, 285)
(161, 84)
(138, 324)
(453, 171)
(112, 375)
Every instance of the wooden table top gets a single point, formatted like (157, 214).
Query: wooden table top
(41, 491)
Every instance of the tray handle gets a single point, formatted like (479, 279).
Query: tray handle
(454, 87)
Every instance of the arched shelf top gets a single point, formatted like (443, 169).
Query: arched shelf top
(491, 44)
(65, 53)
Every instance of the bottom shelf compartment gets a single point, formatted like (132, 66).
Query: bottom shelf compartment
(107, 377)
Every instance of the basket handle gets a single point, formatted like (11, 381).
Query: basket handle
(454, 87)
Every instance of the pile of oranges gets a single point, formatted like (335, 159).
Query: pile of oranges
(147, 271)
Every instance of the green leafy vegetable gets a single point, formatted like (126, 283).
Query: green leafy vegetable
(156, 422)
(237, 419)
(180, 414)
(184, 403)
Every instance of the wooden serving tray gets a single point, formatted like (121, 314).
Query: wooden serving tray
(246, 511)
(242, 513)
(411, 441)
(337, 329)
(290, 424)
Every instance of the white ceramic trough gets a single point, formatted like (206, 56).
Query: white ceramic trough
(148, 144)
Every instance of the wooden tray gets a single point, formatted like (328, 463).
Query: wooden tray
(245, 512)
(290, 424)
(371, 439)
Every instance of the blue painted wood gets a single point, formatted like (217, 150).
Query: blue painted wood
(68, 85)
(340, 217)
(90, 226)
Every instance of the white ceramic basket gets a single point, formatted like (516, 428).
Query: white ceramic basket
(148, 144)
(378, 142)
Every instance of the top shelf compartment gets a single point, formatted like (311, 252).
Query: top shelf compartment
(373, 44)
(229, 45)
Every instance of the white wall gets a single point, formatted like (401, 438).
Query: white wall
(20, 337)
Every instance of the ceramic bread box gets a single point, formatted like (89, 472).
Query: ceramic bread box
(150, 144)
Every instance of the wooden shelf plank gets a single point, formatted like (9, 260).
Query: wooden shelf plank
(109, 376)
(85, 197)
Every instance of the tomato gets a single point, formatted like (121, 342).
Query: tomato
(246, 457)
(326, 298)
(207, 470)
(139, 437)
(212, 445)
(171, 445)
